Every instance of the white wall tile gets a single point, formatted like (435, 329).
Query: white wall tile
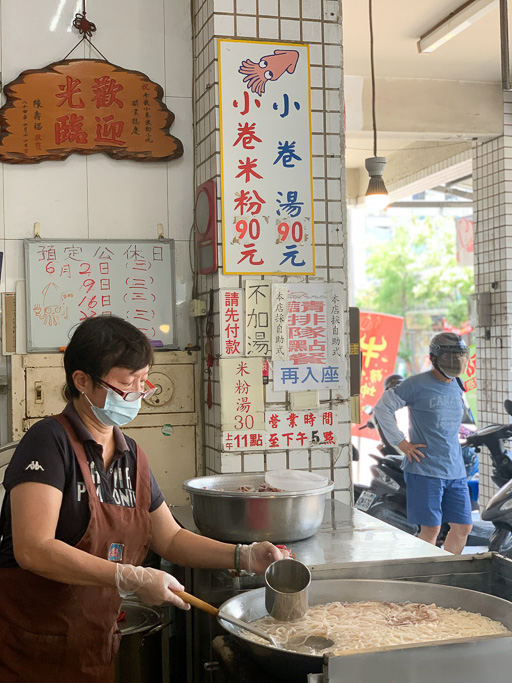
(311, 9)
(268, 28)
(254, 462)
(290, 8)
(180, 172)
(230, 462)
(224, 25)
(223, 6)
(43, 26)
(246, 27)
(126, 199)
(298, 459)
(178, 49)
(290, 30)
(53, 193)
(276, 460)
(133, 37)
(246, 6)
(268, 7)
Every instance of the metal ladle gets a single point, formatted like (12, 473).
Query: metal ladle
(286, 598)
(206, 607)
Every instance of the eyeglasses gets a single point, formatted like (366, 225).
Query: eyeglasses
(131, 395)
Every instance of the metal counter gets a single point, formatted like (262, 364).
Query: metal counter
(345, 535)
(345, 538)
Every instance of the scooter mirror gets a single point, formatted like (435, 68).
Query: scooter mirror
(508, 406)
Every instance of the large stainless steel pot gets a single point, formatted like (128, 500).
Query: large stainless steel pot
(143, 655)
(222, 512)
(287, 665)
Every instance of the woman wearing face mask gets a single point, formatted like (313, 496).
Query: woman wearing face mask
(81, 510)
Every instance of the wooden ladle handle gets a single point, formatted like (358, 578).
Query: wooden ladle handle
(196, 602)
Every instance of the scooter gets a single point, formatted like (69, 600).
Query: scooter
(498, 510)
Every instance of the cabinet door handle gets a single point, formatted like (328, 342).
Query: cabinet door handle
(38, 386)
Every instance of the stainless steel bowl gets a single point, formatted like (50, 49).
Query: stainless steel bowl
(222, 512)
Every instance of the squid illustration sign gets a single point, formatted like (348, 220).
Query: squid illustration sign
(85, 106)
(267, 184)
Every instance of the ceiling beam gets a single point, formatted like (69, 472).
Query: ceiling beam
(431, 205)
(452, 192)
(453, 24)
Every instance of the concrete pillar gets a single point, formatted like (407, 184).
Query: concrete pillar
(492, 187)
(317, 22)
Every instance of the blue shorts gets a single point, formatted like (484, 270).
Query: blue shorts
(432, 501)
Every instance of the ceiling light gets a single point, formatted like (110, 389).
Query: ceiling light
(454, 23)
(376, 197)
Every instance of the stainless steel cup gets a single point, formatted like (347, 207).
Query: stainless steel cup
(286, 589)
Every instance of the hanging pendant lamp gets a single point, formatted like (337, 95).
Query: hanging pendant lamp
(376, 197)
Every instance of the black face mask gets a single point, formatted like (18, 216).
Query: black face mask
(453, 364)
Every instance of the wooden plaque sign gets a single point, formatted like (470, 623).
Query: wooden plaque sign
(85, 106)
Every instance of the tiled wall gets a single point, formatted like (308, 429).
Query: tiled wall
(317, 22)
(492, 186)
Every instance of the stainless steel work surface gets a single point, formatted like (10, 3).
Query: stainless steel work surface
(346, 535)
(488, 660)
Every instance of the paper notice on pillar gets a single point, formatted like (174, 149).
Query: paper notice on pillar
(302, 429)
(241, 390)
(308, 337)
(231, 322)
(258, 318)
(288, 430)
(465, 241)
(266, 159)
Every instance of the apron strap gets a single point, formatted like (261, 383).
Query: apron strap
(143, 485)
(80, 455)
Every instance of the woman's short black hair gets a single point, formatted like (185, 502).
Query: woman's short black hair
(101, 343)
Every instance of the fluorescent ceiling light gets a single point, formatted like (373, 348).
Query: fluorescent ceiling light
(454, 23)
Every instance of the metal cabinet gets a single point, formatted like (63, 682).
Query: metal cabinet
(168, 426)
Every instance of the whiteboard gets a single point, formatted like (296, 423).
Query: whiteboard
(68, 281)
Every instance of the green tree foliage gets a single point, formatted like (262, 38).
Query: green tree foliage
(417, 269)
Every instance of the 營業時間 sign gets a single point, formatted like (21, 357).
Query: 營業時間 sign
(267, 184)
(85, 106)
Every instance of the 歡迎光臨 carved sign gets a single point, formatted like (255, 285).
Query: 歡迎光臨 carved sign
(85, 106)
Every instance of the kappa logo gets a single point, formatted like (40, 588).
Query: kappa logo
(34, 465)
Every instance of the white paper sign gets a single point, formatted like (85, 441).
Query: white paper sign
(258, 318)
(231, 322)
(266, 161)
(307, 337)
(241, 384)
(288, 430)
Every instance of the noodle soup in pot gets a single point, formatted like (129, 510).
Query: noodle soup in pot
(370, 625)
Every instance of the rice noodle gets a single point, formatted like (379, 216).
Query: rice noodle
(363, 625)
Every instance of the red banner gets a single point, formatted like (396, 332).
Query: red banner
(380, 339)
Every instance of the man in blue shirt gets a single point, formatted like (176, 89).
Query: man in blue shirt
(434, 470)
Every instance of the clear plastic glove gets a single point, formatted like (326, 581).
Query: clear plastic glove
(152, 586)
(255, 558)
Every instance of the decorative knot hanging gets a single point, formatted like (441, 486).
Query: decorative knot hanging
(83, 25)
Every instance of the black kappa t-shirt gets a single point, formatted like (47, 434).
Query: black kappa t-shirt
(45, 455)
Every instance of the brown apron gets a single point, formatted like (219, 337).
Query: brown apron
(51, 632)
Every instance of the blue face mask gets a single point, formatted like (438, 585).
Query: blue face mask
(116, 412)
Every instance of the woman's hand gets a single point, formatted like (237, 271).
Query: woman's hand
(152, 586)
(255, 558)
